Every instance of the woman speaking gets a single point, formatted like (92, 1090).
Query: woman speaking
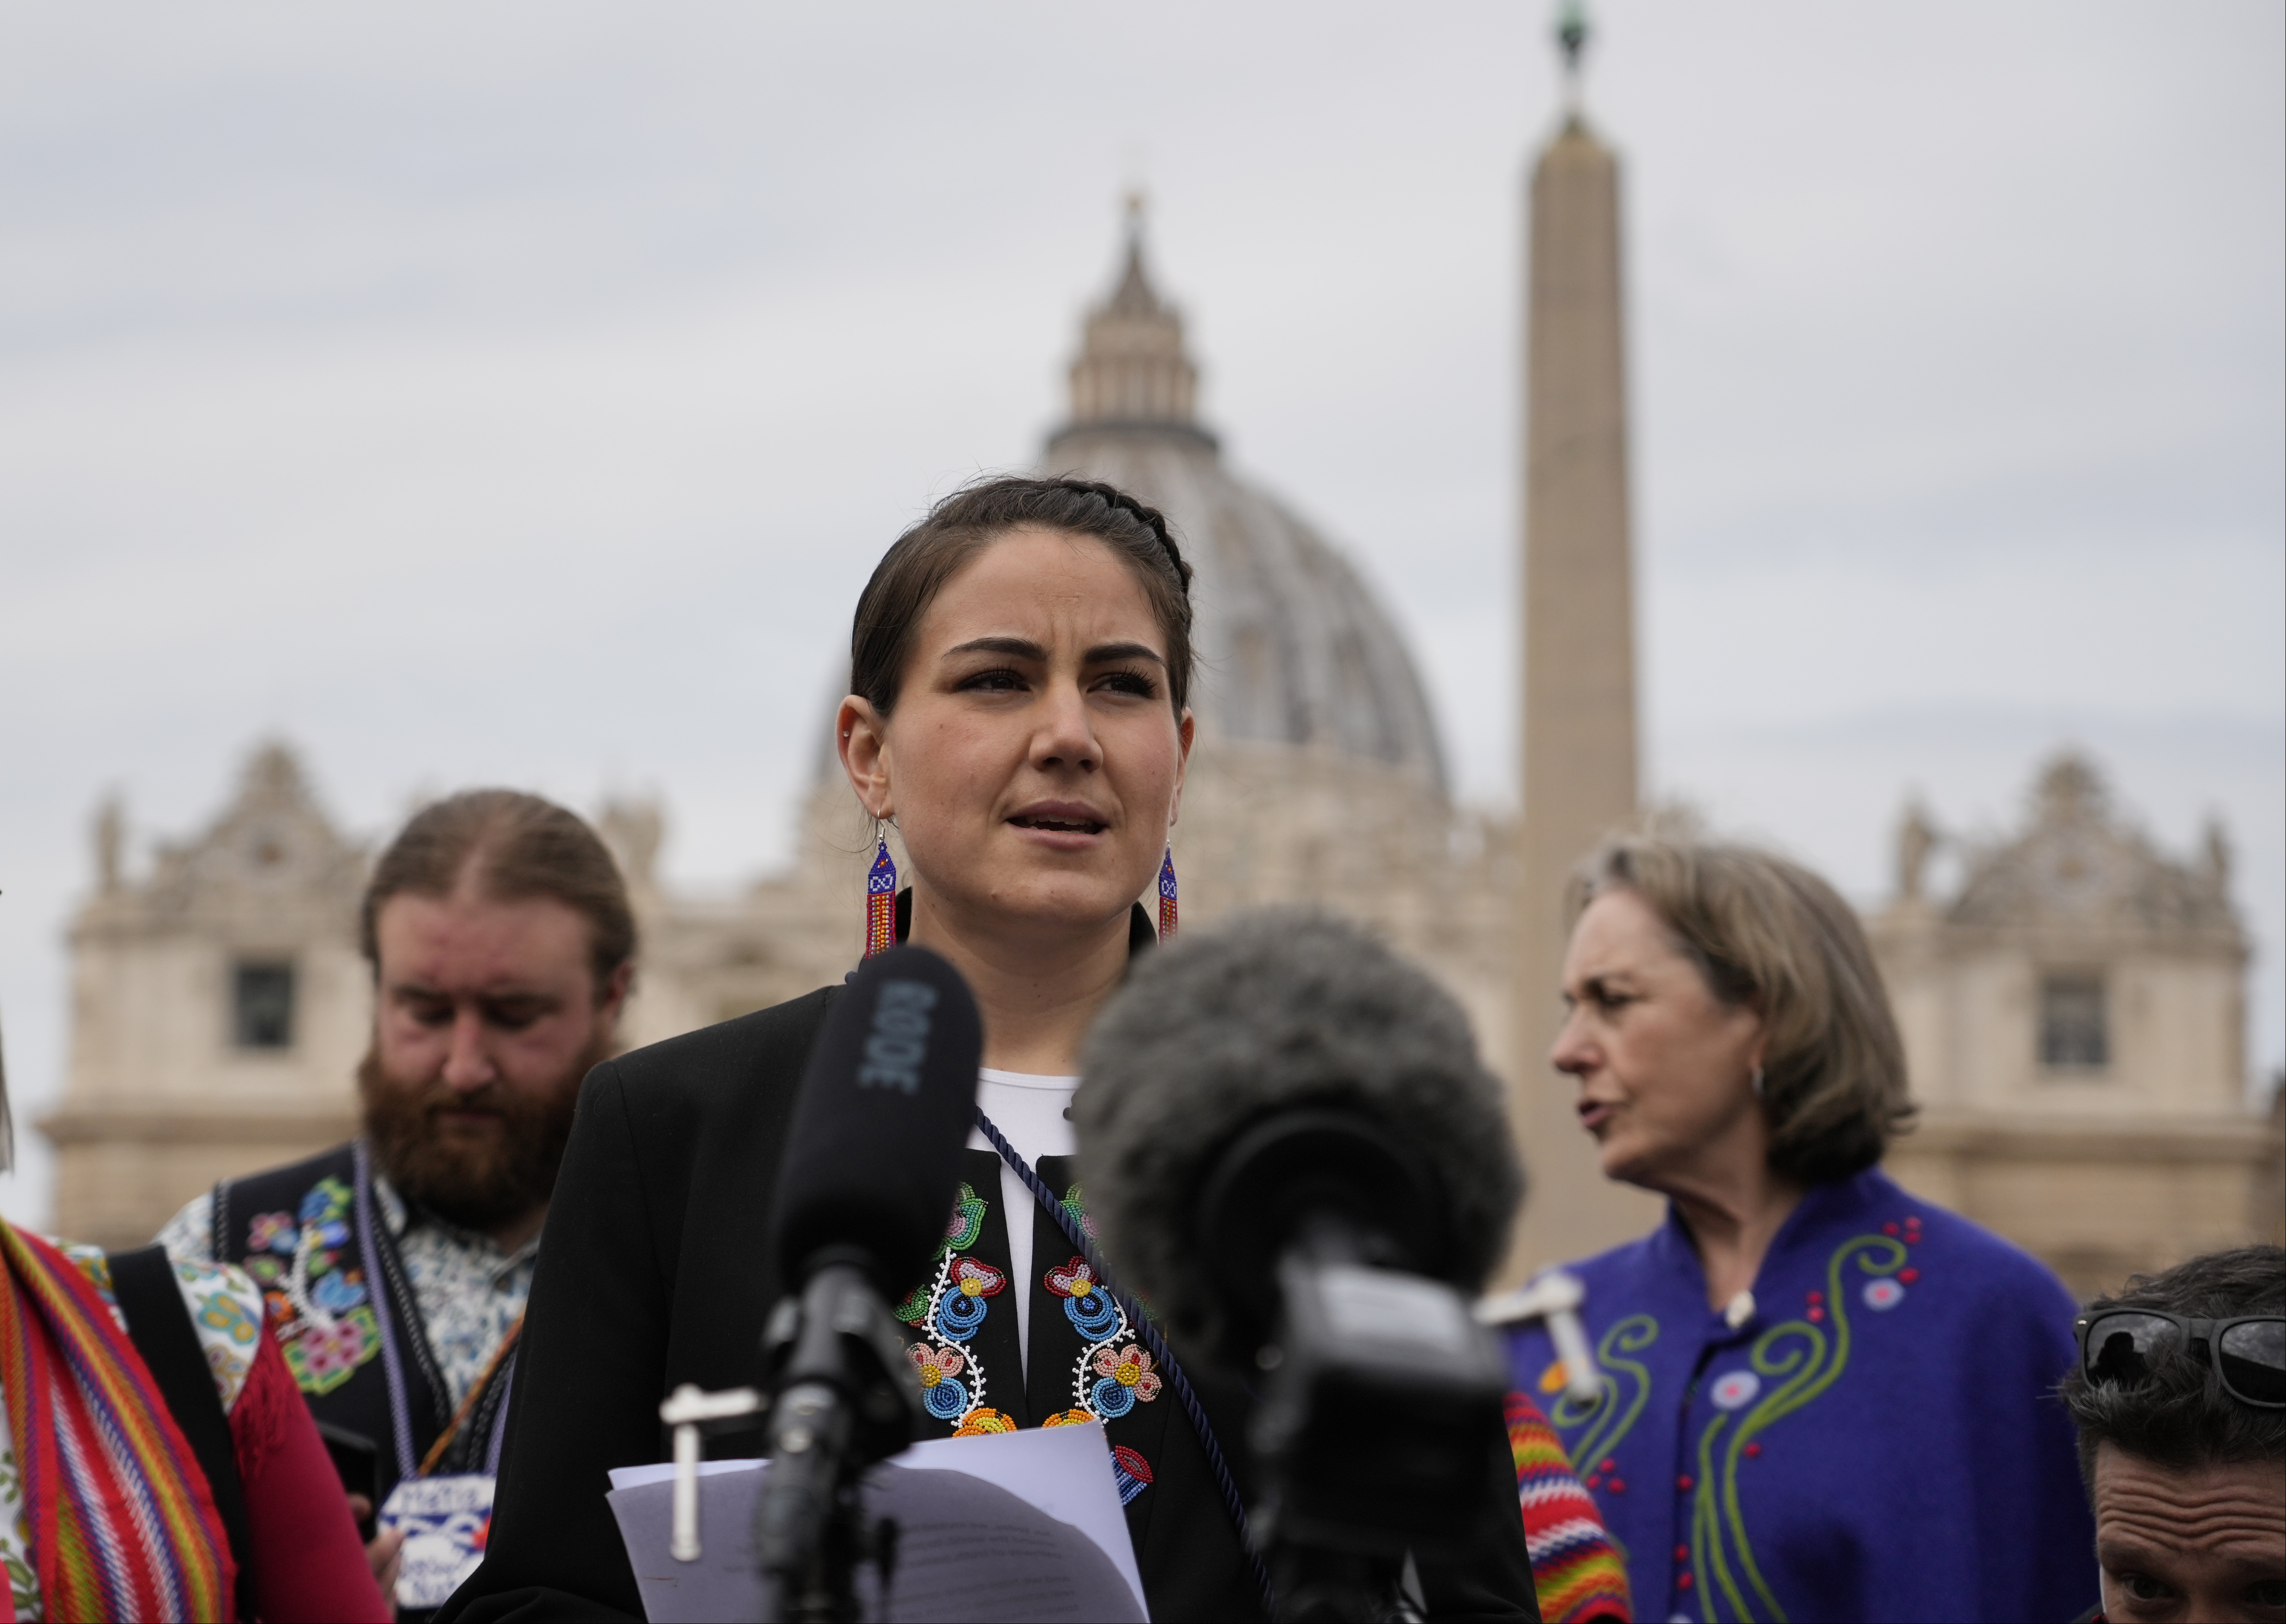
(1020, 667)
(1823, 1397)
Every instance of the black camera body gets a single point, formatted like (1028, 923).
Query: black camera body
(1382, 1393)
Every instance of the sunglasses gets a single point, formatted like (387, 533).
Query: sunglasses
(2248, 1354)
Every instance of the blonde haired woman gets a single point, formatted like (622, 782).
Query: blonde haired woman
(1822, 1397)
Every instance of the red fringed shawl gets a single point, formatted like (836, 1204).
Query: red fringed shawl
(122, 1525)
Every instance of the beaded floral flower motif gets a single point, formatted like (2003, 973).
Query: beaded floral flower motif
(961, 1231)
(943, 1394)
(1112, 1374)
(1086, 1303)
(1131, 1471)
(1126, 1380)
(1074, 1204)
(325, 1356)
(320, 1307)
(948, 1311)
(968, 1285)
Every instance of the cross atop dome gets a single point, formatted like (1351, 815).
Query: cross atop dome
(1135, 296)
(1133, 368)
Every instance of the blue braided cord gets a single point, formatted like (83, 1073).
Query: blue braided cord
(1140, 1323)
(365, 1214)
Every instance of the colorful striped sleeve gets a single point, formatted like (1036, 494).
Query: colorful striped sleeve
(1576, 1570)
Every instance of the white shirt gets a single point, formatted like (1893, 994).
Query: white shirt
(1030, 1110)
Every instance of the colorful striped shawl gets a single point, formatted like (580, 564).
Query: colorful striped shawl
(123, 1524)
(1575, 1571)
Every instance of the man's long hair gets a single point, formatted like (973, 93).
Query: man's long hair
(513, 846)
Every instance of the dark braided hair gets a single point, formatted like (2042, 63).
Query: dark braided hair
(1152, 517)
(920, 561)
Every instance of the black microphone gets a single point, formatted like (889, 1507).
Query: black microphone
(1292, 1152)
(871, 1165)
(872, 1157)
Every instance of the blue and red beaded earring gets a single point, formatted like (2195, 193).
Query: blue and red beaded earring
(881, 902)
(1167, 895)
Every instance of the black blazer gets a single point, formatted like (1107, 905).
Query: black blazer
(654, 1272)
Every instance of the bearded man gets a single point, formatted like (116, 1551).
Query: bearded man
(396, 1266)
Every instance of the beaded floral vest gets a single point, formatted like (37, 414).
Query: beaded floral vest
(311, 1236)
(1087, 1363)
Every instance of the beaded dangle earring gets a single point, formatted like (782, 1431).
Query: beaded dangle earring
(881, 902)
(1167, 895)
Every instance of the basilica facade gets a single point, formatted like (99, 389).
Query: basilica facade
(2074, 1011)
(2074, 1014)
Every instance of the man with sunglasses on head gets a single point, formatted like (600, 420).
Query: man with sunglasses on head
(2180, 1396)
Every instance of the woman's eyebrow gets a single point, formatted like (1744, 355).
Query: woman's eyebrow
(1021, 647)
(1104, 653)
(1024, 648)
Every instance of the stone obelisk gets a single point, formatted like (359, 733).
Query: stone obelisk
(1579, 745)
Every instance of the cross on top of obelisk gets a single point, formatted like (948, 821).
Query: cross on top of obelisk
(1572, 35)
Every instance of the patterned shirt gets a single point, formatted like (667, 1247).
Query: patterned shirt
(468, 1290)
(225, 1311)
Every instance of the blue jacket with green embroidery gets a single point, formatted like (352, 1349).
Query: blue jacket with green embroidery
(1880, 1441)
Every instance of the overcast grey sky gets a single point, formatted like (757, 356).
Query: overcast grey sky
(521, 393)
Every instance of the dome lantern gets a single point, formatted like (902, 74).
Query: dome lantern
(1294, 647)
(1133, 368)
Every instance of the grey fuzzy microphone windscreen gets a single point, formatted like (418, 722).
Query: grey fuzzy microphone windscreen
(1279, 1010)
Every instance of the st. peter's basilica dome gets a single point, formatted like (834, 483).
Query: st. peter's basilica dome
(1293, 648)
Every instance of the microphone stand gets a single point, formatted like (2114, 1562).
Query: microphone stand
(840, 1396)
(1554, 1297)
(845, 1401)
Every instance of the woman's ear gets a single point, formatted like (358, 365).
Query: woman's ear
(861, 739)
(1186, 732)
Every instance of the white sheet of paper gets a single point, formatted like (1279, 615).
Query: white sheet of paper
(1039, 1535)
